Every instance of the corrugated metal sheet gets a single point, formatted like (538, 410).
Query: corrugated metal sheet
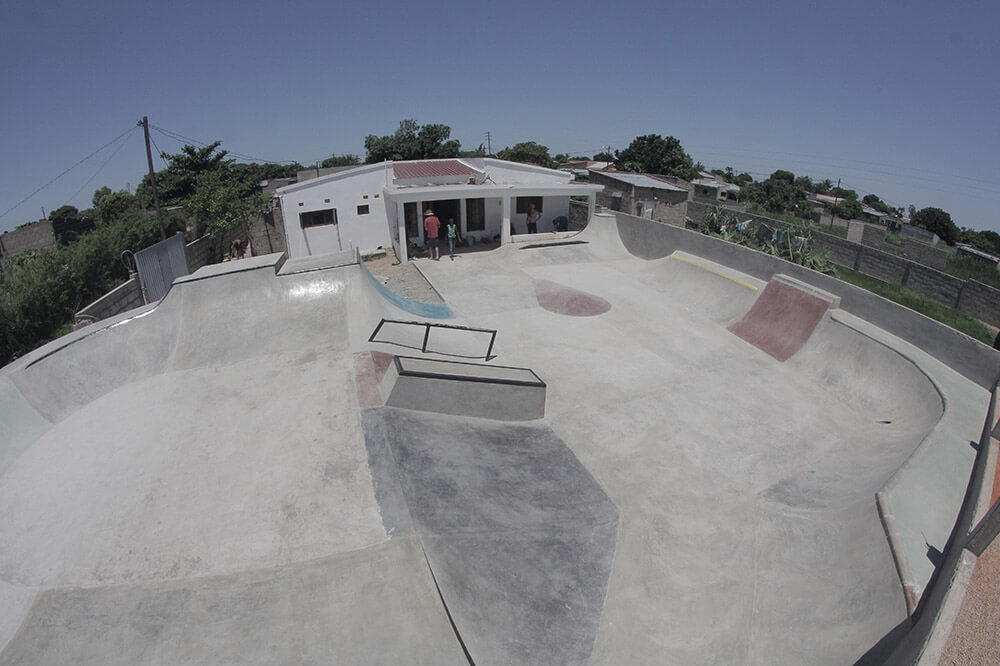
(430, 169)
(639, 180)
(159, 265)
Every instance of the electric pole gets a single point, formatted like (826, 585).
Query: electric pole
(489, 146)
(152, 178)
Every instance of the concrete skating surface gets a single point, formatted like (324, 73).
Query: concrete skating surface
(213, 480)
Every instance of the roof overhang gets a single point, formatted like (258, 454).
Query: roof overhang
(438, 192)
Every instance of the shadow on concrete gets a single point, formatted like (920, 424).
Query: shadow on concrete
(879, 653)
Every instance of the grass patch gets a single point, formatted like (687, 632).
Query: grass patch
(922, 304)
(970, 268)
(835, 230)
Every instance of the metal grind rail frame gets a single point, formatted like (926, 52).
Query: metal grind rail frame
(427, 333)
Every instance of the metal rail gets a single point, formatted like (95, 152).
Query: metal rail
(427, 333)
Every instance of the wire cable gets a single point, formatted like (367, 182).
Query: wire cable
(66, 171)
(101, 168)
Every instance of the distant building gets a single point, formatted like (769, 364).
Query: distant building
(644, 195)
(711, 189)
(380, 205)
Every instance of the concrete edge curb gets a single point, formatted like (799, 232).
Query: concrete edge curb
(911, 591)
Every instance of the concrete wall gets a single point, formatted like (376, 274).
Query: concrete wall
(667, 205)
(971, 358)
(344, 192)
(578, 212)
(981, 301)
(124, 297)
(25, 238)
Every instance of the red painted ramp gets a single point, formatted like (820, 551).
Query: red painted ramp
(784, 316)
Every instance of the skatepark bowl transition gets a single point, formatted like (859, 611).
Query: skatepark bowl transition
(640, 445)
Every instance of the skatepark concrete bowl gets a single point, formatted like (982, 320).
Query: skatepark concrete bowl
(219, 478)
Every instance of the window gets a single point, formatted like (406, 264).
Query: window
(316, 218)
(363, 210)
(475, 215)
(523, 203)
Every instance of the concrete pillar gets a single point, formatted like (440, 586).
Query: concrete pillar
(403, 254)
(505, 222)
(462, 226)
(591, 201)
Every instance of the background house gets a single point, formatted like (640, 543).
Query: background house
(645, 195)
(378, 205)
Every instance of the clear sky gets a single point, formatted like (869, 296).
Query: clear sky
(895, 98)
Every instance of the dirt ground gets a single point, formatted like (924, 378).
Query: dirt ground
(403, 279)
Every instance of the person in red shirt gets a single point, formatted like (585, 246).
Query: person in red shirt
(431, 227)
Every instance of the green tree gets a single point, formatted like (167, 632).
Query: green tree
(412, 142)
(653, 153)
(340, 160)
(64, 213)
(113, 204)
(778, 194)
(528, 152)
(178, 181)
(604, 156)
(222, 201)
(848, 209)
(872, 201)
(938, 221)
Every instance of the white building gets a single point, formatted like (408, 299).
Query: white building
(374, 205)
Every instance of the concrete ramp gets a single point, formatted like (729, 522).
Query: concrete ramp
(518, 535)
(784, 316)
(464, 389)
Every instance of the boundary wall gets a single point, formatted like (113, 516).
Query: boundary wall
(969, 357)
(969, 296)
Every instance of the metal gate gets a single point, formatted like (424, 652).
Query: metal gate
(159, 265)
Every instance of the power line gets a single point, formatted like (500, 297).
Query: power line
(176, 136)
(101, 168)
(66, 171)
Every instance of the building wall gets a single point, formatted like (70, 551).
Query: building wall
(34, 236)
(669, 206)
(973, 298)
(124, 297)
(345, 194)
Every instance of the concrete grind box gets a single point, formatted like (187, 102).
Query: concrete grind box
(464, 389)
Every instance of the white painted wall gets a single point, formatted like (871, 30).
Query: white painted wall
(343, 191)
(552, 207)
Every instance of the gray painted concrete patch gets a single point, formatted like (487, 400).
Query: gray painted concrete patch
(519, 535)
(376, 605)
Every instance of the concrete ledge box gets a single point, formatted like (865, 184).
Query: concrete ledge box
(464, 389)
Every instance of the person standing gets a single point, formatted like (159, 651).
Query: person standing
(432, 226)
(533, 216)
(452, 229)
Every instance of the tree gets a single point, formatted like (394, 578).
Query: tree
(528, 152)
(178, 181)
(653, 153)
(938, 221)
(340, 160)
(604, 156)
(872, 201)
(64, 213)
(478, 152)
(222, 201)
(843, 193)
(780, 193)
(412, 142)
(848, 209)
(113, 205)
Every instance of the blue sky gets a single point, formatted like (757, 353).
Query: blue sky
(895, 98)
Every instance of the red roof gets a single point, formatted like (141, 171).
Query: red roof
(431, 168)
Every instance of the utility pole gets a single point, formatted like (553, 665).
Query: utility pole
(836, 200)
(152, 178)
(489, 146)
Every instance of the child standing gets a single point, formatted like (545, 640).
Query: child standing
(452, 235)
